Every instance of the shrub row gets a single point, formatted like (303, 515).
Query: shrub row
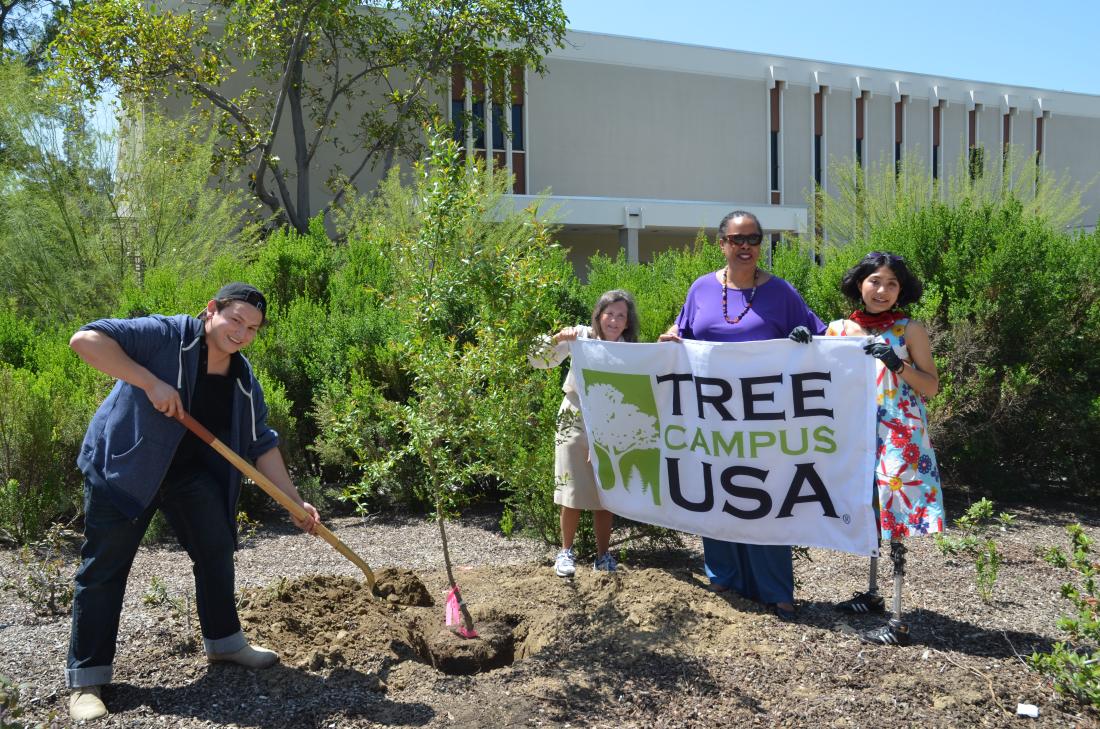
(1013, 306)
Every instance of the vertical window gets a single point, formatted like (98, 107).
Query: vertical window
(773, 142)
(516, 126)
(819, 133)
(899, 132)
(1038, 151)
(937, 120)
(500, 122)
(458, 104)
(479, 122)
(519, 157)
(507, 129)
(1039, 139)
(860, 117)
(819, 161)
(478, 114)
(976, 152)
(1006, 138)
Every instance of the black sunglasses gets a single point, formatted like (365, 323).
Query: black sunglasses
(891, 257)
(752, 239)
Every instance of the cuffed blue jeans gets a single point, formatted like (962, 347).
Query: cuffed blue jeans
(194, 505)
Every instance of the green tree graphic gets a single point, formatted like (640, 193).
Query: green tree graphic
(625, 430)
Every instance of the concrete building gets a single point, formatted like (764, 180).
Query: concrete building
(642, 143)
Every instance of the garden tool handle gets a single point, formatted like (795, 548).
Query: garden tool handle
(273, 491)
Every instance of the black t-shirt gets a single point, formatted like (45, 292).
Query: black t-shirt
(211, 405)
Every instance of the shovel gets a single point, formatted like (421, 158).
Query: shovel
(273, 491)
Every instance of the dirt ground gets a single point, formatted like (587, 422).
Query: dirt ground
(648, 646)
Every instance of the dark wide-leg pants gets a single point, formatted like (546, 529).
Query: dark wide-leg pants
(195, 506)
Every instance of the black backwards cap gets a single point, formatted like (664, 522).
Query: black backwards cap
(249, 294)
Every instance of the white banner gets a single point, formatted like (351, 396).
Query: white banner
(758, 442)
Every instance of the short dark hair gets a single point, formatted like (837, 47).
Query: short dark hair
(911, 287)
(630, 333)
(739, 214)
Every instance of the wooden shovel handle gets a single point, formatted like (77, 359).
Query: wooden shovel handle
(273, 491)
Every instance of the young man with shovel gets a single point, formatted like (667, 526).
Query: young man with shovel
(137, 458)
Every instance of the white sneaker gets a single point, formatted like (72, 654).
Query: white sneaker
(565, 564)
(605, 563)
(249, 656)
(85, 704)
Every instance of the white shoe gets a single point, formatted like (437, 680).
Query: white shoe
(249, 656)
(85, 704)
(565, 564)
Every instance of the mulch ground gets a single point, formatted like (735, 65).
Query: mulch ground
(649, 646)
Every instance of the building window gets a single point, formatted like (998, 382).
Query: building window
(937, 121)
(976, 153)
(819, 137)
(1006, 138)
(860, 123)
(899, 132)
(505, 99)
(479, 123)
(513, 122)
(1039, 139)
(774, 141)
(1039, 151)
(458, 105)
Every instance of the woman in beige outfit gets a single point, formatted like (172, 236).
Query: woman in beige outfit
(614, 319)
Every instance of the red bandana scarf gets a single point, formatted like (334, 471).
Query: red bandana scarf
(880, 321)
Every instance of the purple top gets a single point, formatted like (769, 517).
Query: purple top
(776, 310)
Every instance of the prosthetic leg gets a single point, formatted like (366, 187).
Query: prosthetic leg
(894, 632)
(862, 603)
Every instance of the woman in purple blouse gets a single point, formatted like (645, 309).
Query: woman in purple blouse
(742, 303)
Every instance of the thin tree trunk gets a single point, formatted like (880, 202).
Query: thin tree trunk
(301, 151)
(467, 619)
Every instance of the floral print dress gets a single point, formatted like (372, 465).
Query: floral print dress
(906, 473)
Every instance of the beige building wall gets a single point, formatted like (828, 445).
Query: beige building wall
(1073, 147)
(989, 136)
(1023, 131)
(614, 131)
(581, 245)
(840, 133)
(953, 122)
(622, 127)
(797, 144)
(879, 140)
(918, 130)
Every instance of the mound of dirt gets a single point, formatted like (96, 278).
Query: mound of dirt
(321, 621)
(401, 587)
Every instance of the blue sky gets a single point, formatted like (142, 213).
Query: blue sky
(1052, 45)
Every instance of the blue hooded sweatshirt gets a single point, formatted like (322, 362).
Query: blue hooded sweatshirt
(129, 444)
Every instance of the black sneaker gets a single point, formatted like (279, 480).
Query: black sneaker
(893, 633)
(862, 603)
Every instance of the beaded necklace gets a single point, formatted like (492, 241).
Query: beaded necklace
(748, 303)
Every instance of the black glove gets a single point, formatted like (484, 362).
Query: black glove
(884, 352)
(801, 335)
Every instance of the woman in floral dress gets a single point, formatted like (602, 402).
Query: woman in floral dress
(907, 478)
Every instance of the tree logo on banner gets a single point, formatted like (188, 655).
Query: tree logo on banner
(625, 431)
